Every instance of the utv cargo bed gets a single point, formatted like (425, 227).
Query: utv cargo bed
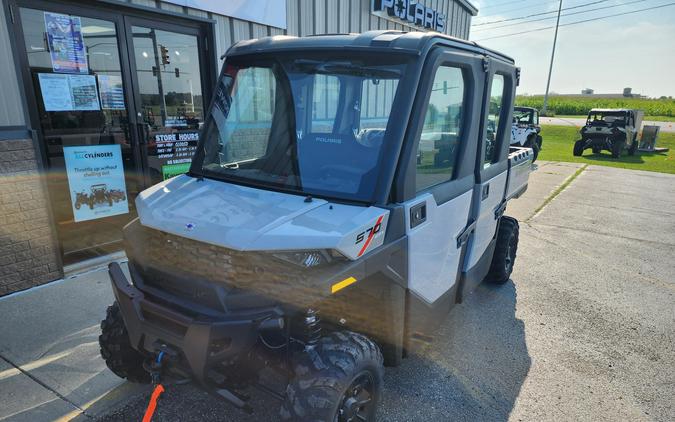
(520, 162)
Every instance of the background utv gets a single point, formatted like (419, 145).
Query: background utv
(309, 236)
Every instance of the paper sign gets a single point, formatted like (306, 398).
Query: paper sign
(83, 92)
(66, 46)
(96, 181)
(112, 92)
(68, 92)
(55, 92)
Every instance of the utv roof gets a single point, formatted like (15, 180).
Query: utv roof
(414, 43)
(610, 110)
(524, 108)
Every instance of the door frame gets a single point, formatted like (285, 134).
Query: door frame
(114, 12)
(207, 78)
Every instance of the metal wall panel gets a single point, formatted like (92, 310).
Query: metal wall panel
(241, 30)
(259, 31)
(343, 16)
(332, 16)
(320, 11)
(306, 17)
(11, 103)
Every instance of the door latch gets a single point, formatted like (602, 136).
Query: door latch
(418, 214)
(485, 192)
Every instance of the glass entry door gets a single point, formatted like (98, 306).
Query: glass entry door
(117, 101)
(169, 101)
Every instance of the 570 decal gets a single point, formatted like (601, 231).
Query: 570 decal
(370, 232)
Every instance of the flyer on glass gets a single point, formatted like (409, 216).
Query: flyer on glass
(96, 181)
(66, 45)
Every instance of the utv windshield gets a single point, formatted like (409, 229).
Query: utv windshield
(524, 117)
(607, 118)
(310, 126)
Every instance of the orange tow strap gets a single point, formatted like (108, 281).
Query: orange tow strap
(153, 403)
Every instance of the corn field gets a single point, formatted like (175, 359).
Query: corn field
(580, 106)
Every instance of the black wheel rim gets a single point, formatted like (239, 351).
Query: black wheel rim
(357, 403)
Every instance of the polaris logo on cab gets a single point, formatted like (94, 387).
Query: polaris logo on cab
(412, 12)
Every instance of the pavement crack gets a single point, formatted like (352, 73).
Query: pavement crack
(586, 230)
(556, 192)
(44, 385)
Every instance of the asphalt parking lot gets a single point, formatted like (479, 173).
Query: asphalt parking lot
(585, 329)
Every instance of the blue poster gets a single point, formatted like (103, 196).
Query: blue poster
(66, 46)
(96, 181)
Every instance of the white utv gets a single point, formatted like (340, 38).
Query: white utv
(306, 237)
(610, 129)
(525, 130)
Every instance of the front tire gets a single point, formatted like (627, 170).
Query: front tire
(505, 251)
(122, 359)
(617, 147)
(578, 148)
(339, 379)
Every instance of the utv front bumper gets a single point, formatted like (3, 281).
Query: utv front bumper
(199, 342)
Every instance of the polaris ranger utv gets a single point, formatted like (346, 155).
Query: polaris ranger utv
(306, 236)
(610, 129)
(525, 131)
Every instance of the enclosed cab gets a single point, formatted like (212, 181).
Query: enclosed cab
(610, 129)
(346, 193)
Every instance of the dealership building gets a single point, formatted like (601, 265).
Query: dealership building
(102, 99)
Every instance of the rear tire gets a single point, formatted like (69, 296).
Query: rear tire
(578, 148)
(122, 359)
(505, 251)
(633, 147)
(338, 378)
(596, 150)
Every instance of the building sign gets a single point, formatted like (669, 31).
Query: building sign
(66, 47)
(68, 92)
(266, 12)
(96, 181)
(411, 13)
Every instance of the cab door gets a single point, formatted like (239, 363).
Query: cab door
(491, 168)
(441, 177)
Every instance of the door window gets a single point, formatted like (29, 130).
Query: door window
(171, 102)
(439, 143)
(495, 107)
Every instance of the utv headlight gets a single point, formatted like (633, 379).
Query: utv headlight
(309, 259)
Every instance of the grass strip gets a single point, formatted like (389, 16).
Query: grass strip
(557, 191)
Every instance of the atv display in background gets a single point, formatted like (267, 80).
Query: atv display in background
(347, 192)
(613, 130)
(525, 131)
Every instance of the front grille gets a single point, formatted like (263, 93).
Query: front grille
(210, 275)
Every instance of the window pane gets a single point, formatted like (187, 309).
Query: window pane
(438, 145)
(324, 103)
(494, 111)
(245, 133)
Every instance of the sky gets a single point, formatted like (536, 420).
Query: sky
(635, 50)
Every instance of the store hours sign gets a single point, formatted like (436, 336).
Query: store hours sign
(411, 13)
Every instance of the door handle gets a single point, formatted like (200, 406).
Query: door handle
(418, 214)
(485, 192)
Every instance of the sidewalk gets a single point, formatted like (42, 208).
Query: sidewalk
(50, 368)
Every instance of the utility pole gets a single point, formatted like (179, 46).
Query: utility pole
(550, 68)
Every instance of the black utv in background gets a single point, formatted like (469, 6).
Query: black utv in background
(613, 130)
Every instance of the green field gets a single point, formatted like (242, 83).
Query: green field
(579, 106)
(558, 142)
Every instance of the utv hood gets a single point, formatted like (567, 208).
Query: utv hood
(244, 218)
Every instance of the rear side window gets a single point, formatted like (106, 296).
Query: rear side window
(438, 146)
(494, 112)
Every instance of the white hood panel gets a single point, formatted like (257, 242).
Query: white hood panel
(243, 218)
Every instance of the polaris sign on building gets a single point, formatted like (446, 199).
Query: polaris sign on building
(417, 13)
